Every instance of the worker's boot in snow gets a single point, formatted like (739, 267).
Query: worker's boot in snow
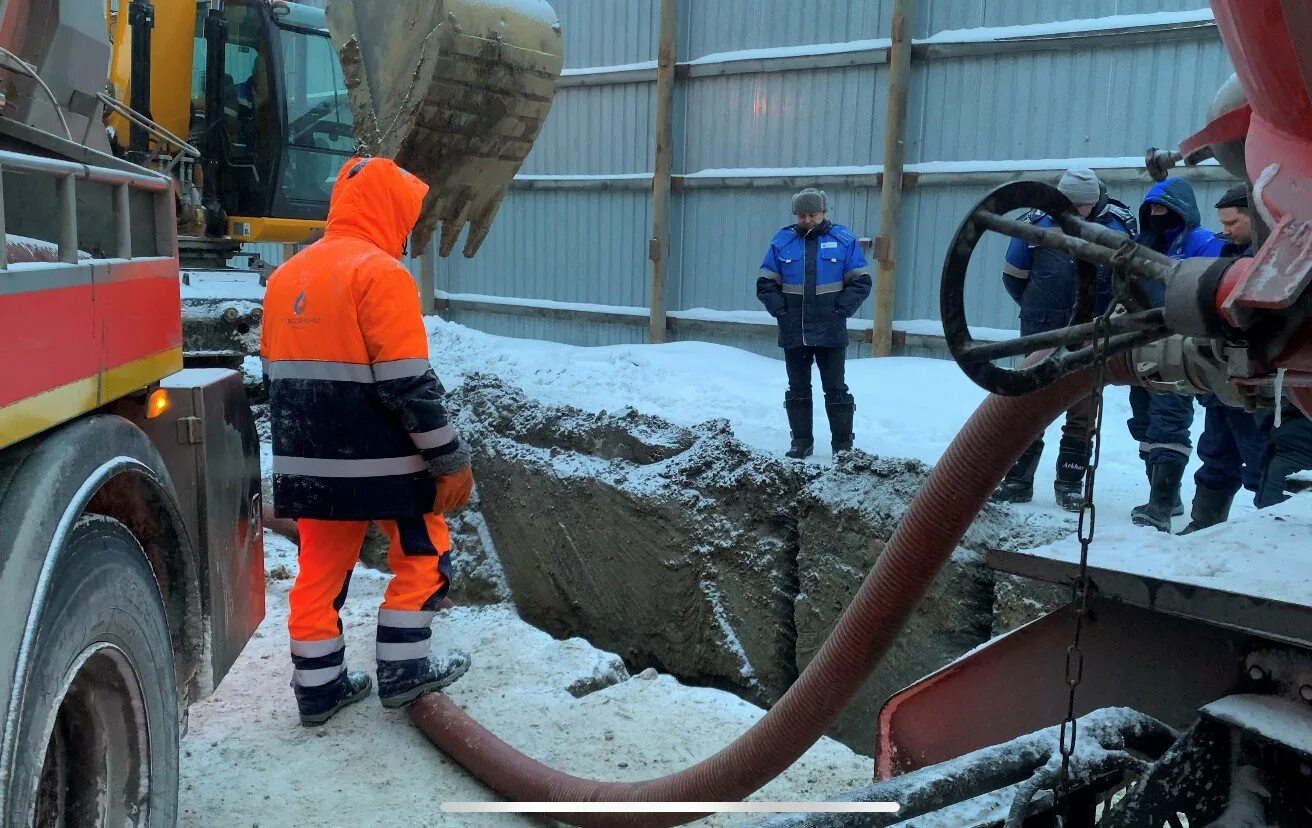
(1018, 485)
(401, 682)
(840, 408)
(1163, 495)
(1072, 465)
(319, 704)
(799, 423)
(1211, 506)
(1177, 510)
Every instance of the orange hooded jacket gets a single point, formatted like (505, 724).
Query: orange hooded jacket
(359, 430)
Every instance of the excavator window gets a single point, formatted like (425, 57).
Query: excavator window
(287, 125)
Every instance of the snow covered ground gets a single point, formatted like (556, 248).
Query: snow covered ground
(371, 766)
(247, 761)
(1264, 554)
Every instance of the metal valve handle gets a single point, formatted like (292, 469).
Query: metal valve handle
(1072, 348)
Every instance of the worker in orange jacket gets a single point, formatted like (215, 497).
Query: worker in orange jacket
(360, 435)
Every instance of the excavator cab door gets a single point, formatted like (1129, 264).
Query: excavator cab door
(282, 118)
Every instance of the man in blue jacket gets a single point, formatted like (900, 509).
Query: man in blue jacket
(813, 278)
(1045, 285)
(1234, 442)
(1169, 223)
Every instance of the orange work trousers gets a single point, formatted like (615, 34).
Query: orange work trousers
(417, 554)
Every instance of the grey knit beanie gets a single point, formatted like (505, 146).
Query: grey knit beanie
(1080, 185)
(810, 200)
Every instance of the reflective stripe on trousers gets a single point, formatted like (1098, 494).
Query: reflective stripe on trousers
(417, 555)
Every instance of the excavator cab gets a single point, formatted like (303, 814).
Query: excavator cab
(272, 106)
(281, 127)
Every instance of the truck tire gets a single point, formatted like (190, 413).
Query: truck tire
(96, 736)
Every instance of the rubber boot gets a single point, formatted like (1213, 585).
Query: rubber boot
(1211, 506)
(840, 410)
(1178, 510)
(799, 423)
(401, 682)
(1072, 465)
(1163, 495)
(319, 704)
(1018, 485)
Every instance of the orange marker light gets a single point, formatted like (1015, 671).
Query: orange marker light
(157, 404)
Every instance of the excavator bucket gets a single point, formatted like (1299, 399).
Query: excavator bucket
(455, 91)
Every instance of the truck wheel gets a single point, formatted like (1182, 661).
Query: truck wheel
(96, 741)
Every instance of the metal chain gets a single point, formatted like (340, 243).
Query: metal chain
(1087, 524)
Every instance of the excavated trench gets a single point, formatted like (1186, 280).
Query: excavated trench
(686, 551)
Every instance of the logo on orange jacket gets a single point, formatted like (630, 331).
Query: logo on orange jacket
(298, 307)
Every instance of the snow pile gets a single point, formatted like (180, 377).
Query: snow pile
(370, 766)
(1263, 554)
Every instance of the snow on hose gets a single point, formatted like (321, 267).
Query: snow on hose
(959, 486)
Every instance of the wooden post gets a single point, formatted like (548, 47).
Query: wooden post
(890, 211)
(658, 246)
(428, 279)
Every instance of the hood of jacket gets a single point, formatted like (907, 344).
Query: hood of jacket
(1176, 195)
(377, 201)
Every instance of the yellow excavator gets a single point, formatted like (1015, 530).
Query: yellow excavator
(251, 106)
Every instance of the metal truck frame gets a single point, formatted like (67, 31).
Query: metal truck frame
(131, 541)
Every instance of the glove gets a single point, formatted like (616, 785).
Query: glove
(453, 491)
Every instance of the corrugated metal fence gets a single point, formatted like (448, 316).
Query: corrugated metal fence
(766, 92)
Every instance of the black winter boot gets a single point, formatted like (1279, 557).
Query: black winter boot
(319, 704)
(840, 409)
(1018, 485)
(1162, 497)
(1211, 506)
(799, 423)
(1178, 510)
(1072, 465)
(401, 682)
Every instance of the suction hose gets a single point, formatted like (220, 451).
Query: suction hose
(973, 465)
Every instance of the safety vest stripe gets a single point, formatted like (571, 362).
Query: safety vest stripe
(317, 678)
(853, 274)
(1179, 448)
(318, 467)
(797, 289)
(436, 438)
(405, 619)
(403, 652)
(400, 369)
(319, 370)
(1015, 272)
(771, 275)
(828, 287)
(315, 649)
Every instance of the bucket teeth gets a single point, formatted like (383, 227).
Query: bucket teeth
(456, 91)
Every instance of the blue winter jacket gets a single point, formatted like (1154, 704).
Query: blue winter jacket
(812, 282)
(1181, 241)
(1045, 283)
